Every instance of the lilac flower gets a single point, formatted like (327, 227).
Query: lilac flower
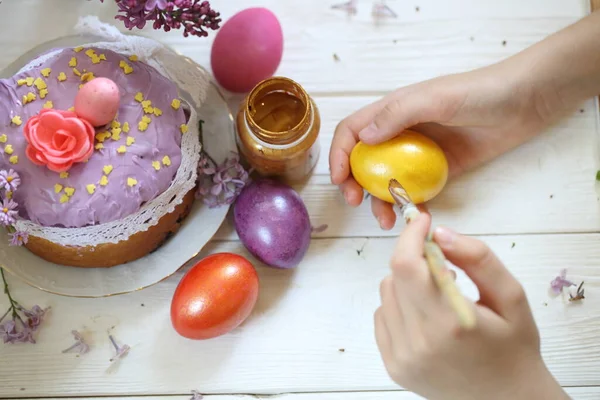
(222, 184)
(9, 180)
(349, 7)
(194, 16)
(18, 238)
(560, 282)
(80, 345)
(152, 4)
(8, 212)
(196, 395)
(382, 10)
(23, 322)
(122, 351)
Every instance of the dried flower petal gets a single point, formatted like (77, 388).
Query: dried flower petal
(560, 282)
(320, 228)
(80, 345)
(220, 184)
(196, 395)
(349, 7)
(579, 295)
(18, 238)
(382, 10)
(121, 351)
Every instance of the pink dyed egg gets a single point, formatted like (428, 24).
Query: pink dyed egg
(98, 101)
(247, 49)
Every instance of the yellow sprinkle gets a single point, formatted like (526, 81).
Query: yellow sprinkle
(21, 82)
(149, 110)
(146, 103)
(126, 127)
(9, 194)
(3, 138)
(8, 149)
(142, 126)
(29, 97)
(46, 72)
(146, 119)
(91, 188)
(48, 104)
(69, 191)
(71, 108)
(100, 136)
(29, 81)
(13, 159)
(64, 174)
(121, 149)
(99, 146)
(43, 93)
(131, 182)
(58, 188)
(103, 180)
(62, 77)
(16, 120)
(156, 165)
(116, 134)
(115, 124)
(90, 52)
(76, 72)
(95, 59)
(128, 69)
(122, 64)
(102, 57)
(24, 101)
(73, 62)
(157, 111)
(139, 97)
(166, 161)
(88, 76)
(183, 128)
(64, 198)
(175, 104)
(78, 49)
(133, 58)
(40, 84)
(107, 169)
(80, 85)
(130, 140)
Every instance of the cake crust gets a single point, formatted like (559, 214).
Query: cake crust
(112, 254)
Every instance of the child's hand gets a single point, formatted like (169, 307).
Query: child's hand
(423, 347)
(473, 116)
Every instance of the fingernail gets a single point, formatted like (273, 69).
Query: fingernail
(444, 236)
(380, 222)
(368, 132)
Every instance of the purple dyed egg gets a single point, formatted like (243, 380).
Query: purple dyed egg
(273, 223)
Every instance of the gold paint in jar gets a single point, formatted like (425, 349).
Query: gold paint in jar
(278, 126)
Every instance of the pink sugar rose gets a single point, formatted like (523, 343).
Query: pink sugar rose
(58, 139)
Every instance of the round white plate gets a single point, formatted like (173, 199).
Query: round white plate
(195, 232)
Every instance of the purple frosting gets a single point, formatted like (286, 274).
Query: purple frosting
(37, 197)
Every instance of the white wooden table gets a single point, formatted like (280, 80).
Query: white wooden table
(311, 335)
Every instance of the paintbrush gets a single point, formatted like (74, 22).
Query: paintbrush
(435, 260)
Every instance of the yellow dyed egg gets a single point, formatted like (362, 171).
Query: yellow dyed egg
(416, 161)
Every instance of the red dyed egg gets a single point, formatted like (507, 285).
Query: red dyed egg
(214, 297)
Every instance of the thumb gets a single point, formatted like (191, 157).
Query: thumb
(400, 113)
(498, 289)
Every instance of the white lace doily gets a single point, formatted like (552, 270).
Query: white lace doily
(193, 84)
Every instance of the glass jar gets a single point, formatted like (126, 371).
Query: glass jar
(278, 126)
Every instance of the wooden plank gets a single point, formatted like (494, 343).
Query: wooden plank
(525, 191)
(595, 5)
(440, 38)
(577, 393)
(292, 341)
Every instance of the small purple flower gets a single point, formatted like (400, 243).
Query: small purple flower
(560, 282)
(222, 184)
(9, 180)
(80, 345)
(18, 238)
(152, 4)
(121, 351)
(8, 212)
(349, 7)
(196, 395)
(35, 316)
(11, 333)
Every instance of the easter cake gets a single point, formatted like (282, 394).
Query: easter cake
(98, 169)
